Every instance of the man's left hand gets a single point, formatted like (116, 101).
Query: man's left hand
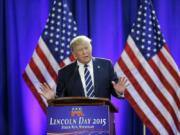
(121, 85)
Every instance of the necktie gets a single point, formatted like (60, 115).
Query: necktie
(88, 82)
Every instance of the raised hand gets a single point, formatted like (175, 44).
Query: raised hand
(121, 85)
(46, 91)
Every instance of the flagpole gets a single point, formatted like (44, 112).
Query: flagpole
(144, 129)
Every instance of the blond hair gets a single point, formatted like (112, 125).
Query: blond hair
(79, 40)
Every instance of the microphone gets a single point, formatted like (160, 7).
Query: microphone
(71, 78)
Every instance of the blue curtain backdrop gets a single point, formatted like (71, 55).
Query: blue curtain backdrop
(107, 22)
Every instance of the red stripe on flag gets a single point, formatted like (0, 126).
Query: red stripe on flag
(169, 88)
(169, 67)
(143, 95)
(46, 63)
(141, 113)
(34, 91)
(71, 57)
(62, 64)
(153, 87)
(37, 71)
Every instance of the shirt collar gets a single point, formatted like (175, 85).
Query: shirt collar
(90, 64)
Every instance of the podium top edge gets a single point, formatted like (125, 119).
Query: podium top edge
(63, 101)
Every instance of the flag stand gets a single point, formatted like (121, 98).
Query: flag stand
(144, 129)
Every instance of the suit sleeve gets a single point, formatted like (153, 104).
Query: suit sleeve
(115, 79)
(60, 89)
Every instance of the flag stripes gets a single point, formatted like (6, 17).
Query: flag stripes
(149, 82)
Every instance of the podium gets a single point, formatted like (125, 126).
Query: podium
(80, 116)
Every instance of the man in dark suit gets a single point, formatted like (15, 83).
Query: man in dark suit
(87, 76)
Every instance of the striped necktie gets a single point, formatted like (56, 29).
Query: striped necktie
(88, 82)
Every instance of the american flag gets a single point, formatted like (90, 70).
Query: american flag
(154, 90)
(53, 51)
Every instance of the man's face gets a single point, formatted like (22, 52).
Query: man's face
(83, 52)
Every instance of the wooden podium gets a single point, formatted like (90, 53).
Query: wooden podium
(80, 116)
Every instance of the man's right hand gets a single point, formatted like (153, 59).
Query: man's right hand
(46, 91)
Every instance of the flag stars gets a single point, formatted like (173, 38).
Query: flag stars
(59, 4)
(53, 15)
(148, 48)
(59, 10)
(149, 35)
(69, 26)
(139, 19)
(64, 25)
(63, 31)
(139, 13)
(138, 25)
(53, 9)
(58, 17)
(56, 49)
(69, 33)
(65, 5)
(148, 55)
(143, 40)
(74, 34)
(63, 38)
(64, 12)
(64, 18)
(57, 29)
(62, 51)
(137, 38)
(153, 12)
(63, 44)
(158, 32)
(52, 28)
(150, 22)
(155, 43)
(46, 27)
(149, 42)
(69, 20)
(137, 32)
(46, 33)
(61, 57)
(149, 29)
(58, 23)
(52, 21)
(68, 39)
(51, 41)
(51, 34)
(144, 34)
(57, 36)
(56, 42)
(142, 46)
(70, 14)
(75, 28)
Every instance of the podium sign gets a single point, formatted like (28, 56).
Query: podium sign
(78, 120)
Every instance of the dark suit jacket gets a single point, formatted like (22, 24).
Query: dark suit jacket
(69, 81)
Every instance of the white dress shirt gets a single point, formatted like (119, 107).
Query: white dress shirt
(81, 73)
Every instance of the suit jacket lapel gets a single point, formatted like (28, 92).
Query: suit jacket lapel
(96, 75)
